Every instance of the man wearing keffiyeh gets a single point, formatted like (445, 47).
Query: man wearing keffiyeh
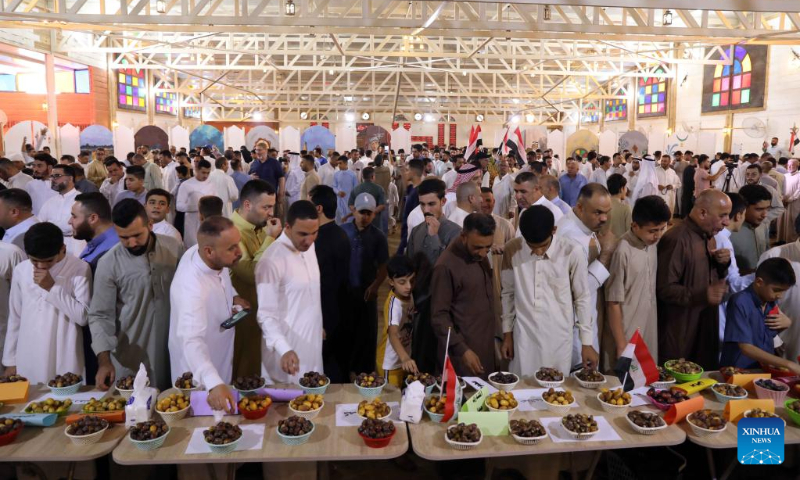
(469, 172)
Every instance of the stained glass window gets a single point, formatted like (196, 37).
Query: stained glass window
(731, 85)
(590, 113)
(191, 112)
(652, 96)
(167, 103)
(616, 109)
(132, 88)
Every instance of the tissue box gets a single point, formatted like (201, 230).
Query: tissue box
(16, 392)
(141, 413)
(411, 406)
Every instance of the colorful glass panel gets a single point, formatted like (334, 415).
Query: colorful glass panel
(616, 109)
(132, 88)
(652, 95)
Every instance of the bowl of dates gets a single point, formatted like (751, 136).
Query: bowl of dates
(307, 406)
(503, 381)
(64, 385)
(222, 437)
(314, 383)
(645, 423)
(434, 407)
(580, 426)
(50, 405)
(370, 385)
(105, 405)
(87, 430)
(463, 436)
(295, 430)
(376, 433)
(727, 391)
(426, 379)
(249, 383)
(614, 401)
(501, 402)
(684, 370)
(664, 399)
(172, 406)
(527, 432)
(589, 378)
(665, 380)
(186, 383)
(124, 386)
(771, 389)
(706, 422)
(9, 429)
(12, 378)
(149, 435)
(255, 406)
(558, 401)
(373, 409)
(792, 407)
(549, 377)
(761, 413)
(776, 371)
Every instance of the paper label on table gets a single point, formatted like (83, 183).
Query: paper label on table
(252, 439)
(490, 423)
(15, 392)
(745, 380)
(696, 386)
(558, 434)
(347, 414)
(475, 402)
(80, 398)
(530, 399)
(639, 397)
(734, 409)
(477, 383)
(679, 411)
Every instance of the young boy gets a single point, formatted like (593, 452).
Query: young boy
(157, 206)
(619, 219)
(631, 286)
(396, 352)
(751, 323)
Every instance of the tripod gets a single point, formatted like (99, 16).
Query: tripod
(726, 185)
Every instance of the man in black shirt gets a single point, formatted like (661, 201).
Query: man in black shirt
(333, 256)
(687, 184)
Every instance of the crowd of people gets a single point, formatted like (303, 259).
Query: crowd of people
(109, 263)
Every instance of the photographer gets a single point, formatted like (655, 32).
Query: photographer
(702, 178)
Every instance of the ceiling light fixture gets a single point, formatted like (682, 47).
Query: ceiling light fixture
(161, 6)
(349, 116)
(290, 8)
(515, 119)
(418, 116)
(529, 118)
(365, 116)
(257, 116)
(330, 72)
(479, 117)
(547, 14)
(429, 117)
(667, 20)
(303, 115)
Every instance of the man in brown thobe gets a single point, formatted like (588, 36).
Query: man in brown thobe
(690, 283)
(463, 299)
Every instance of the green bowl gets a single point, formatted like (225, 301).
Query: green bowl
(684, 377)
(792, 414)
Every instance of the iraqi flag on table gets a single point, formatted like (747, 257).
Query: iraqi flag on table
(635, 367)
(449, 382)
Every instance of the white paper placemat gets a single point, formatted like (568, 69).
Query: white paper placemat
(477, 383)
(530, 399)
(252, 439)
(347, 414)
(79, 398)
(639, 397)
(605, 431)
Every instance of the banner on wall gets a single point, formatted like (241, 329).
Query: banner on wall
(205, 135)
(262, 134)
(290, 138)
(70, 140)
(318, 136)
(151, 136)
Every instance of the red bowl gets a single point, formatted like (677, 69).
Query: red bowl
(775, 372)
(10, 436)
(255, 414)
(377, 442)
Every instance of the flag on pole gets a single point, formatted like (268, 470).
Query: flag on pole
(635, 367)
(516, 147)
(449, 382)
(471, 146)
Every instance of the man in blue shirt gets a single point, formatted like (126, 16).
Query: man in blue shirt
(239, 178)
(753, 320)
(369, 253)
(91, 221)
(571, 183)
(267, 167)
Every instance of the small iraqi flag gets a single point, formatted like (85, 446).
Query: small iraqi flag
(635, 367)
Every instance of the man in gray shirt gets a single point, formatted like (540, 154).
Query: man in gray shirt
(129, 312)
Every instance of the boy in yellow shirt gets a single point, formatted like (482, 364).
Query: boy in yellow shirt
(394, 347)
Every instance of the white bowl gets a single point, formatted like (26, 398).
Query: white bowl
(665, 385)
(224, 449)
(309, 415)
(548, 384)
(461, 445)
(590, 385)
(385, 417)
(149, 445)
(612, 408)
(527, 440)
(503, 387)
(172, 417)
(744, 415)
(578, 436)
(558, 409)
(90, 439)
(646, 430)
(704, 432)
(509, 410)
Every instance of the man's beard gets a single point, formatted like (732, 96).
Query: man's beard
(38, 176)
(139, 251)
(58, 187)
(83, 232)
